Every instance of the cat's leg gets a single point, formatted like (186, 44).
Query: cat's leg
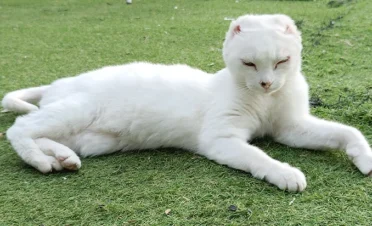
(30, 152)
(50, 121)
(238, 154)
(93, 144)
(314, 133)
(64, 155)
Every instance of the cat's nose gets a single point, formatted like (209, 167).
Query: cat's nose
(265, 85)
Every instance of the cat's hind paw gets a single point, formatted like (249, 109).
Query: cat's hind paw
(71, 163)
(46, 164)
(59, 155)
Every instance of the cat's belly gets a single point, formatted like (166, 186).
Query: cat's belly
(135, 134)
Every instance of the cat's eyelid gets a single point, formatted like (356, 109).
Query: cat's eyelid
(282, 61)
(246, 61)
(249, 64)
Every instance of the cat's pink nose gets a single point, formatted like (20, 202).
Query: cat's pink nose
(265, 85)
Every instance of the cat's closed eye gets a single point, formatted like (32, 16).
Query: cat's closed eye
(282, 62)
(249, 64)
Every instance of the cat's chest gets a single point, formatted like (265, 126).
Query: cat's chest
(256, 117)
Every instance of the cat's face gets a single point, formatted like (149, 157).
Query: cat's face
(263, 51)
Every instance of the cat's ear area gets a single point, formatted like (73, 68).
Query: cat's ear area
(280, 22)
(287, 25)
(234, 30)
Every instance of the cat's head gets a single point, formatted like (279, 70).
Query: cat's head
(263, 51)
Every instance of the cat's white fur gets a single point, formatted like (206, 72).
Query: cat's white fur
(147, 106)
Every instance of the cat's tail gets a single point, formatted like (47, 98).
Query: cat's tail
(23, 100)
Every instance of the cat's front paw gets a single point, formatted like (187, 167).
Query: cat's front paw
(364, 163)
(287, 177)
(361, 155)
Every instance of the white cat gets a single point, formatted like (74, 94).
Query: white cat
(147, 106)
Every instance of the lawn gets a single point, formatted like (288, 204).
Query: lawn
(42, 40)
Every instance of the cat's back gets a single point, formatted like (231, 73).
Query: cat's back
(140, 78)
(142, 74)
(146, 84)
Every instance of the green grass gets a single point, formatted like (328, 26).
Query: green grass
(41, 41)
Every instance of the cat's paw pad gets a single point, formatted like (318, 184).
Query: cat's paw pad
(71, 163)
(287, 178)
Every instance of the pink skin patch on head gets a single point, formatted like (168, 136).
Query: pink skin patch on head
(237, 29)
(288, 30)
